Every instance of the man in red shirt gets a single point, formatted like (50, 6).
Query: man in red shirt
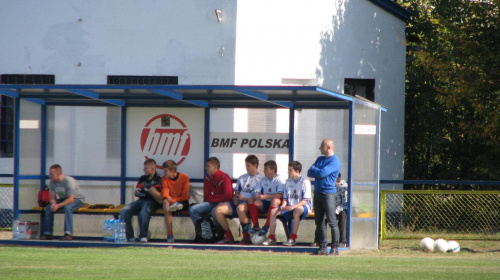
(217, 188)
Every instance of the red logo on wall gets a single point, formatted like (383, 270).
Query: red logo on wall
(165, 137)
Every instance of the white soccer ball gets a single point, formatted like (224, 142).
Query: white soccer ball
(427, 244)
(258, 239)
(440, 246)
(453, 246)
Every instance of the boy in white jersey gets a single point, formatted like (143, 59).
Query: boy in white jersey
(245, 190)
(269, 197)
(296, 204)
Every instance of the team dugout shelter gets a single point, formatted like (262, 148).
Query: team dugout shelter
(101, 135)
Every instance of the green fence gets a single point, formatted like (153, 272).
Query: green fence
(444, 214)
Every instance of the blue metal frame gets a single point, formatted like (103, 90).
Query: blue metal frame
(43, 144)
(123, 154)
(291, 135)
(17, 135)
(179, 96)
(207, 135)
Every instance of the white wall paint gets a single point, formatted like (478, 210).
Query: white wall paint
(328, 41)
(118, 37)
(262, 42)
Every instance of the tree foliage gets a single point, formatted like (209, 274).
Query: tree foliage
(453, 90)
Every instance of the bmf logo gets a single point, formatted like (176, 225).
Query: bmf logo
(165, 137)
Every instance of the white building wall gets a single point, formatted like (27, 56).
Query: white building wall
(258, 42)
(322, 42)
(81, 42)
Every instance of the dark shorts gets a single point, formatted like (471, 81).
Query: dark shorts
(289, 215)
(233, 206)
(265, 206)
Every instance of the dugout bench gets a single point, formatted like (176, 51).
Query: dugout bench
(88, 209)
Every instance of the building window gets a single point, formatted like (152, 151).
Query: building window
(143, 80)
(6, 126)
(15, 79)
(7, 108)
(364, 88)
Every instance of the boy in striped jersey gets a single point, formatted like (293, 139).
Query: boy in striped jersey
(270, 195)
(244, 193)
(296, 204)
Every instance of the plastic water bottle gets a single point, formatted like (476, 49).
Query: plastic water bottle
(120, 235)
(15, 230)
(108, 230)
(115, 228)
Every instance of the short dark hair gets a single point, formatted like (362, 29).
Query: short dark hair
(215, 161)
(295, 165)
(170, 165)
(150, 161)
(272, 165)
(56, 167)
(252, 159)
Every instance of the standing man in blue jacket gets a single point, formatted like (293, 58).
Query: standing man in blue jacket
(325, 170)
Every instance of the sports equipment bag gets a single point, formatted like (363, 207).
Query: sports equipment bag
(205, 230)
(43, 197)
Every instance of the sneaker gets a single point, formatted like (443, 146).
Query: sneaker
(268, 242)
(263, 231)
(176, 206)
(289, 242)
(333, 252)
(321, 251)
(144, 240)
(170, 239)
(67, 237)
(342, 245)
(226, 240)
(46, 237)
(246, 240)
(253, 231)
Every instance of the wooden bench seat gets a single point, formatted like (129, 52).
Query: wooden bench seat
(116, 211)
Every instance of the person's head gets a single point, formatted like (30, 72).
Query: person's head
(294, 169)
(149, 167)
(251, 164)
(270, 169)
(326, 147)
(55, 173)
(212, 165)
(169, 169)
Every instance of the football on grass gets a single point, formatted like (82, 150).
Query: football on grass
(453, 246)
(427, 244)
(257, 239)
(440, 246)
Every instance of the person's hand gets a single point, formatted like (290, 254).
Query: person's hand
(54, 207)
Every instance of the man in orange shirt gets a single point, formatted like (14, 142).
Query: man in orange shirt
(175, 194)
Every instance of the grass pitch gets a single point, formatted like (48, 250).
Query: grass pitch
(17, 262)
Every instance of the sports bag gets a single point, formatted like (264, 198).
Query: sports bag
(205, 230)
(43, 197)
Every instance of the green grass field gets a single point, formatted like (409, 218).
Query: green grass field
(17, 262)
